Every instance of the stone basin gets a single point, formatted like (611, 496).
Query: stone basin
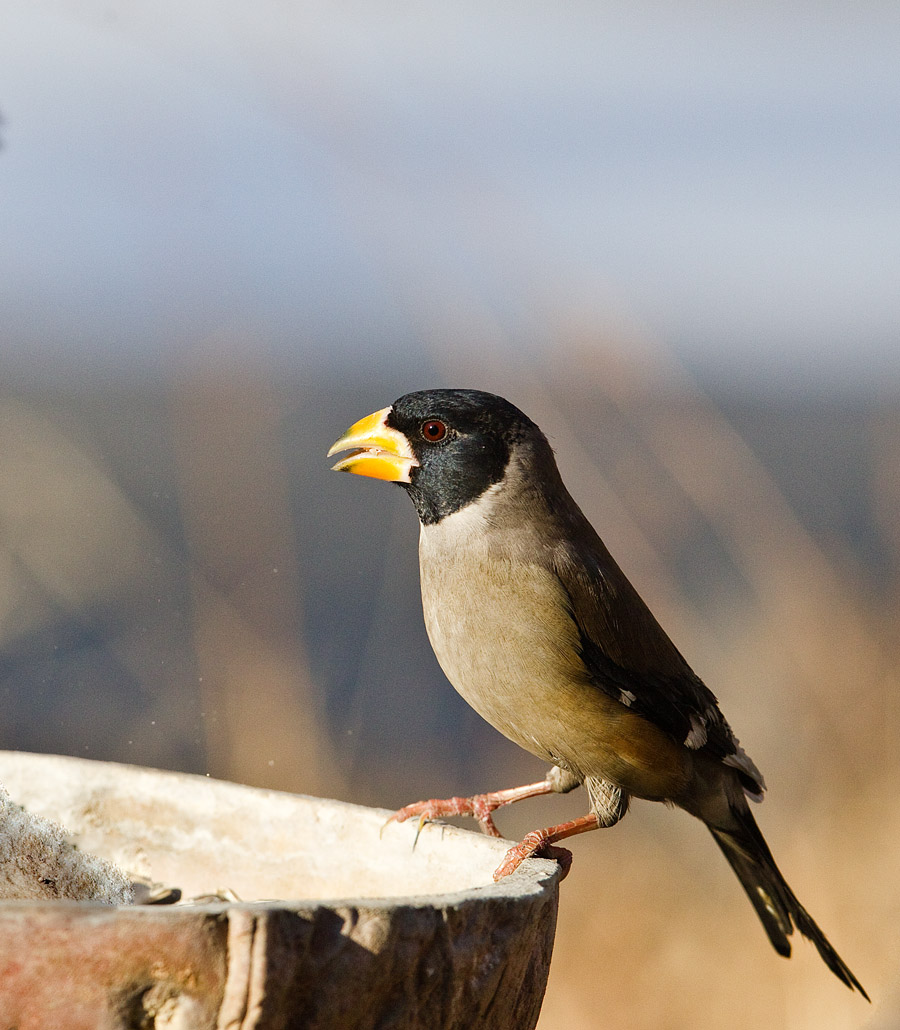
(332, 923)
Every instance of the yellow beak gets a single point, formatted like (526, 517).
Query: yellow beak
(378, 450)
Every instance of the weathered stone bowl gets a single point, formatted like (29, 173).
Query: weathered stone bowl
(338, 925)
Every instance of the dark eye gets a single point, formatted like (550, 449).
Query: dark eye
(434, 430)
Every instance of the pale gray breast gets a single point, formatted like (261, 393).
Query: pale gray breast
(497, 622)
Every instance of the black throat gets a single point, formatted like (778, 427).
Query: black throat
(444, 484)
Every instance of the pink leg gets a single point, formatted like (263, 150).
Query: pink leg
(538, 843)
(480, 806)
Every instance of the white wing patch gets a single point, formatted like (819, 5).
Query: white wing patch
(739, 760)
(697, 736)
(742, 762)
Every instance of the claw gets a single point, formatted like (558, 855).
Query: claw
(392, 818)
(421, 808)
(423, 818)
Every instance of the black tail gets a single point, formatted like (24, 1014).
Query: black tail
(778, 909)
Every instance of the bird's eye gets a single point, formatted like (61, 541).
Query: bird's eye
(434, 430)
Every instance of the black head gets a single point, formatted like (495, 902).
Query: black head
(462, 440)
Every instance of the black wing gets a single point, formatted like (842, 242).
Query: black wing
(631, 658)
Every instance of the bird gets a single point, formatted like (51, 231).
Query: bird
(541, 632)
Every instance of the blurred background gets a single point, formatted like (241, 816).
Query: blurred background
(670, 235)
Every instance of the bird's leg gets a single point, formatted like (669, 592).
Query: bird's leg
(481, 806)
(538, 843)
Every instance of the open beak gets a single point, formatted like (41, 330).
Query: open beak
(377, 450)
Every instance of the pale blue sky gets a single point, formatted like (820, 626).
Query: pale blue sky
(724, 178)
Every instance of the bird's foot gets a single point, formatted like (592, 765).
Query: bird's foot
(533, 846)
(540, 843)
(534, 843)
(481, 806)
